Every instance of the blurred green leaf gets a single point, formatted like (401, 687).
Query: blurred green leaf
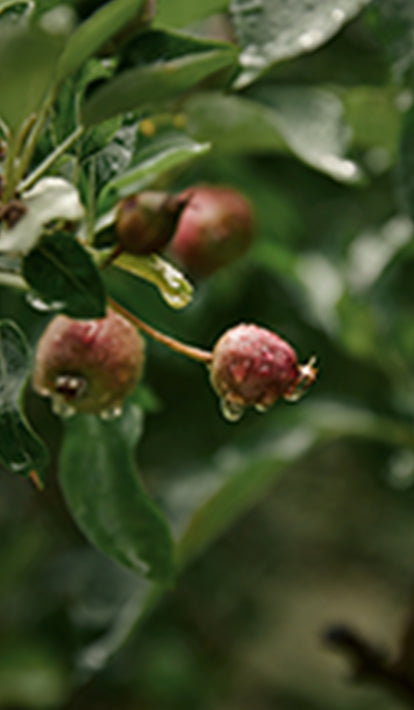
(172, 285)
(406, 162)
(107, 500)
(271, 31)
(146, 79)
(7, 4)
(27, 67)
(31, 675)
(153, 157)
(183, 12)
(234, 485)
(63, 275)
(94, 32)
(20, 449)
(233, 123)
(393, 23)
(312, 124)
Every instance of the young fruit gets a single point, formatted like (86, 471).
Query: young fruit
(146, 222)
(251, 366)
(215, 228)
(88, 365)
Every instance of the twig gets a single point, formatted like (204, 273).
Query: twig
(204, 356)
(371, 664)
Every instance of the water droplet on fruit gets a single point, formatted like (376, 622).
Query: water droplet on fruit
(108, 415)
(262, 408)
(231, 410)
(61, 408)
(294, 395)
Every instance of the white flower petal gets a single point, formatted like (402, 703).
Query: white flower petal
(51, 198)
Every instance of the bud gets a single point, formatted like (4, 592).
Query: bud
(215, 228)
(251, 366)
(88, 366)
(146, 222)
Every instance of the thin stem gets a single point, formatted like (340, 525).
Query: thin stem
(8, 178)
(91, 202)
(34, 135)
(194, 353)
(51, 158)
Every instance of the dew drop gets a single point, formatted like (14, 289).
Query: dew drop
(108, 415)
(294, 395)
(176, 300)
(309, 40)
(19, 466)
(231, 411)
(338, 15)
(400, 473)
(61, 408)
(43, 306)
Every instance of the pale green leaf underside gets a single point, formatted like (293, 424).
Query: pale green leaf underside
(270, 31)
(172, 285)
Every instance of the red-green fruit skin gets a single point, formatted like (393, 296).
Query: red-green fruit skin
(146, 222)
(252, 366)
(215, 228)
(108, 353)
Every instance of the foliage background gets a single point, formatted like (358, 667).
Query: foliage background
(306, 513)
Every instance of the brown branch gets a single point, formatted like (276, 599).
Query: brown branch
(371, 664)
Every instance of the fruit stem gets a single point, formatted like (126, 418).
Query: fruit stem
(176, 345)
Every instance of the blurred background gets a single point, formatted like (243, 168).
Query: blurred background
(297, 522)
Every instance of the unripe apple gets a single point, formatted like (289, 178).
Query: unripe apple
(88, 366)
(215, 228)
(145, 222)
(252, 366)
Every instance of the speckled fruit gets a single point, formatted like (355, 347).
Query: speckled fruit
(252, 366)
(215, 228)
(146, 222)
(88, 365)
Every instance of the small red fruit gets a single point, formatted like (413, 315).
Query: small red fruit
(252, 366)
(88, 366)
(146, 222)
(215, 228)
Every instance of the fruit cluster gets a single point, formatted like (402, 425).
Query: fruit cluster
(90, 366)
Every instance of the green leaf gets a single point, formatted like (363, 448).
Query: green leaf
(406, 163)
(113, 158)
(153, 157)
(270, 31)
(94, 32)
(162, 67)
(19, 6)
(394, 24)
(172, 285)
(32, 674)
(183, 12)
(312, 124)
(233, 124)
(27, 66)
(64, 276)
(233, 485)
(20, 449)
(103, 491)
